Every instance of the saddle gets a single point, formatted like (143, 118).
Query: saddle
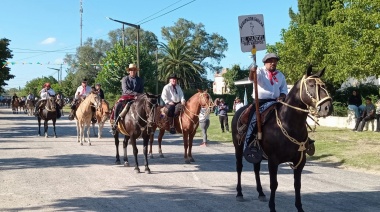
(162, 118)
(244, 117)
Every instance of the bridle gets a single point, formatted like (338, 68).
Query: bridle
(149, 113)
(313, 109)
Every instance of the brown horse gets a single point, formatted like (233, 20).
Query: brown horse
(15, 105)
(84, 116)
(186, 123)
(102, 115)
(22, 106)
(30, 106)
(137, 123)
(284, 134)
(46, 114)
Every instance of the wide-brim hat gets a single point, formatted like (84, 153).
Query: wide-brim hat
(270, 56)
(173, 76)
(132, 67)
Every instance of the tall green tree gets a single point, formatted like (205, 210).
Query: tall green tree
(147, 38)
(209, 48)
(233, 74)
(179, 58)
(35, 85)
(117, 60)
(5, 54)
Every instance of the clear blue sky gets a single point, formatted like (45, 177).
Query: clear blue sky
(36, 27)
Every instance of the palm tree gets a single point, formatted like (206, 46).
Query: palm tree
(179, 58)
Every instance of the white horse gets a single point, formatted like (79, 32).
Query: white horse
(84, 115)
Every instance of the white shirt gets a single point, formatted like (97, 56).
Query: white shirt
(80, 91)
(44, 93)
(203, 115)
(265, 89)
(169, 95)
(238, 106)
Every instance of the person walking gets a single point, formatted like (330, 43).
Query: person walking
(204, 123)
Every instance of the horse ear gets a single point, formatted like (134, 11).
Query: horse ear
(205, 90)
(321, 72)
(309, 70)
(199, 90)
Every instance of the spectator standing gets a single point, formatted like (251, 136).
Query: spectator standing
(204, 123)
(223, 117)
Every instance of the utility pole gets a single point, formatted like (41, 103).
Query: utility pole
(157, 71)
(81, 12)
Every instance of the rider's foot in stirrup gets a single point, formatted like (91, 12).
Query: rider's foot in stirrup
(311, 148)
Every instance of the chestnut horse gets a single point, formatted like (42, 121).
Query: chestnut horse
(186, 123)
(15, 105)
(137, 123)
(102, 115)
(284, 134)
(84, 116)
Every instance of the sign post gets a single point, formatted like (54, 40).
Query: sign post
(252, 39)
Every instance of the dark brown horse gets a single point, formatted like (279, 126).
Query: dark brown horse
(137, 123)
(46, 114)
(285, 135)
(186, 123)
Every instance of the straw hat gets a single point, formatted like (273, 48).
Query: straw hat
(132, 67)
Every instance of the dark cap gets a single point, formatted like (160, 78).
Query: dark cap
(173, 76)
(84, 80)
(270, 56)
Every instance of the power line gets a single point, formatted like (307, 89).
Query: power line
(168, 12)
(158, 11)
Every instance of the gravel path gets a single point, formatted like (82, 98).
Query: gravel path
(57, 174)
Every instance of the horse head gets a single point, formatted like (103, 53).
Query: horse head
(147, 104)
(50, 103)
(314, 95)
(205, 99)
(94, 100)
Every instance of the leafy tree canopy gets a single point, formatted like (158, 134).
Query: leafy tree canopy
(5, 54)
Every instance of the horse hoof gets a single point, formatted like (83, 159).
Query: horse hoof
(161, 155)
(192, 160)
(126, 164)
(81, 144)
(187, 161)
(240, 199)
(117, 162)
(55, 136)
(150, 156)
(147, 171)
(46, 136)
(89, 144)
(262, 198)
(137, 170)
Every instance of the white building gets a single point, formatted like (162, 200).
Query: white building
(219, 86)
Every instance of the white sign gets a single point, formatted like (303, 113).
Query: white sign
(252, 32)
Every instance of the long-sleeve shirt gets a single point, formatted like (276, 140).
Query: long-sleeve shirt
(355, 100)
(264, 86)
(82, 92)
(44, 93)
(132, 86)
(222, 109)
(172, 93)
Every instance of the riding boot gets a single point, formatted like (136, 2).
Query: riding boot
(171, 123)
(114, 126)
(311, 148)
(37, 106)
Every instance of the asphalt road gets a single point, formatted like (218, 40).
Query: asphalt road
(57, 174)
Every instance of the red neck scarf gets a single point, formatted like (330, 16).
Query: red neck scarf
(272, 76)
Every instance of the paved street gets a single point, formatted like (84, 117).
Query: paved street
(57, 174)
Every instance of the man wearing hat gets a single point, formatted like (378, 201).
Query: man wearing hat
(132, 85)
(82, 92)
(172, 95)
(238, 104)
(46, 90)
(271, 87)
(99, 90)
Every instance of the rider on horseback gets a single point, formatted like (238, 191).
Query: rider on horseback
(30, 97)
(172, 95)
(46, 90)
(81, 93)
(132, 85)
(271, 85)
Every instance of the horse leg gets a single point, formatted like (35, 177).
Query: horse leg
(259, 188)
(125, 145)
(116, 136)
(135, 152)
(159, 140)
(151, 139)
(54, 121)
(273, 168)
(297, 184)
(239, 169)
(81, 134)
(39, 126)
(189, 154)
(93, 129)
(186, 146)
(100, 129)
(145, 151)
(87, 127)
(46, 128)
(78, 131)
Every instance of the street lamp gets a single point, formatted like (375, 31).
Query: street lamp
(57, 69)
(138, 39)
